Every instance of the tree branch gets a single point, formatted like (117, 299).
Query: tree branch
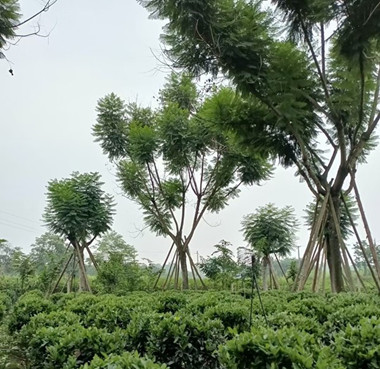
(47, 6)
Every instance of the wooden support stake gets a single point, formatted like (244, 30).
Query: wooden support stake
(368, 232)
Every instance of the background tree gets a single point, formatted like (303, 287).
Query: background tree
(79, 210)
(221, 266)
(113, 243)
(311, 98)
(175, 165)
(359, 257)
(270, 230)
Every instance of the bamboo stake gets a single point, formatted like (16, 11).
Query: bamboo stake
(367, 230)
(313, 235)
(172, 267)
(275, 283)
(163, 266)
(195, 268)
(342, 245)
(361, 245)
(61, 274)
(313, 287)
(282, 270)
(96, 265)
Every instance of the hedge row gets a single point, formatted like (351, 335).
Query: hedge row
(198, 330)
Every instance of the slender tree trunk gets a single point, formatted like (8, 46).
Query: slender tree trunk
(183, 263)
(334, 258)
(84, 284)
(265, 280)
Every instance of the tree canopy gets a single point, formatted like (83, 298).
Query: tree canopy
(306, 82)
(270, 230)
(174, 162)
(78, 209)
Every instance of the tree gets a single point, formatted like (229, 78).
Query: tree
(359, 257)
(270, 230)
(221, 266)
(174, 164)
(79, 210)
(307, 84)
(113, 243)
(10, 21)
(47, 251)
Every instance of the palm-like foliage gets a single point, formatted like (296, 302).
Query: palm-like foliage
(173, 157)
(270, 230)
(306, 78)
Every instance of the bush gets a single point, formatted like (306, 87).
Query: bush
(359, 346)
(183, 342)
(53, 319)
(231, 315)
(53, 347)
(171, 302)
(125, 361)
(286, 348)
(28, 305)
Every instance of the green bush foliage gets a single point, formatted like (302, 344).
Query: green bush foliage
(196, 330)
(125, 361)
(28, 305)
(183, 342)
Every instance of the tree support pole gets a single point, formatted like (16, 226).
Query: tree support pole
(317, 222)
(96, 265)
(374, 277)
(61, 275)
(342, 245)
(163, 266)
(282, 270)
(195, 268)
(368, 231)
(168, 277)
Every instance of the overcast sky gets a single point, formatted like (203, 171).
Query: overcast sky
(48, 108)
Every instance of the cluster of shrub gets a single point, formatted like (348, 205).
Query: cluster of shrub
(195, 330)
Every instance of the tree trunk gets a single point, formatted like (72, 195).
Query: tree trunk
(84, 284)
(265, 280)
(334, 258)
(183, 262)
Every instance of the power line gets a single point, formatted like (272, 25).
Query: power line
(16, 227)
(18, 216)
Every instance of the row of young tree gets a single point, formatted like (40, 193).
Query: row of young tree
(304, 85)
(119, 270)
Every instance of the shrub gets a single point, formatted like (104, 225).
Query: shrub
(359, 346)
(125, 361)
(53, 347)
(28, 305)
(185, 342)
(53, 319)
(231, 315)
(286, 348)
(171, 302)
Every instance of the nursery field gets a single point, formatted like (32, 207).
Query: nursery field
(191, 330)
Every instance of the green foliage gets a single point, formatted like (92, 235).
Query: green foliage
(181, 341)
(28, 305)
(359, 346)
(125, 361)
(270, 230)
(53, 347)
(232, 315)
(198, 330)
(113, 243)
(172, 156)
(282, 348)
(77, 207)
(221, 267)
(9, 17)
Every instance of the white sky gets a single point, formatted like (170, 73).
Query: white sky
(48, 108)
